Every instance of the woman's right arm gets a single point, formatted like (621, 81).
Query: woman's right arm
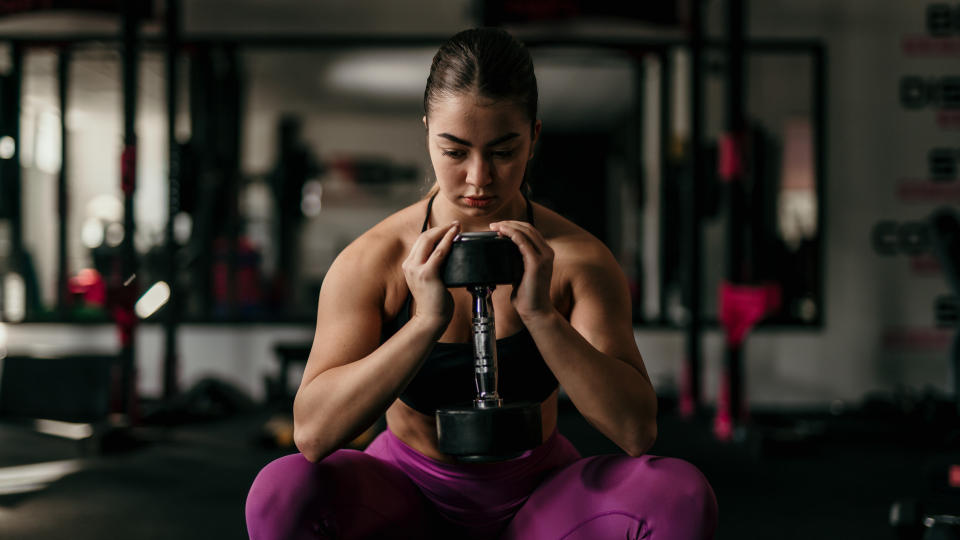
(350, 378)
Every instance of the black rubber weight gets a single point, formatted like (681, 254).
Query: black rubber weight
(482, 258)
(491, 434)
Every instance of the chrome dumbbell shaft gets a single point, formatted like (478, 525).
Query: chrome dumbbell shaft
(484, 347)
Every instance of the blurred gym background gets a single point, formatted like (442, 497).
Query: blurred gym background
(778, 179)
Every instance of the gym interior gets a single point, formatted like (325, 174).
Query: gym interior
(777, 179)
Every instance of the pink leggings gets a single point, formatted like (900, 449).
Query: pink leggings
(392, 491)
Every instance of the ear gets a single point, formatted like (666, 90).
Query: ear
(533, 138)
(425, 122)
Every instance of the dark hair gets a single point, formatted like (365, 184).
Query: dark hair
(488, 61)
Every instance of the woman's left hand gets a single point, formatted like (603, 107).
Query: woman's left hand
(531, 298)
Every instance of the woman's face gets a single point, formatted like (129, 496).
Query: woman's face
(479, 149)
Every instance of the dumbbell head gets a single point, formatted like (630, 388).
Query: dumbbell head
(490, 434)
(482, 258)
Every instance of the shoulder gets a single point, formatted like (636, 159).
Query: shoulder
(574, 247)
(371, 262)
(384, 242)
(590, 277)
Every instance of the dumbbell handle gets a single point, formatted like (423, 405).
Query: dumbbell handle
(484, 347)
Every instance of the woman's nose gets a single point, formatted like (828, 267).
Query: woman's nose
(479, 172)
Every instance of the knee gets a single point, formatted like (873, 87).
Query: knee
(292, 495)
(673, 490)
(348, 494)
(693, 497)
(276, 495)
(673, 477)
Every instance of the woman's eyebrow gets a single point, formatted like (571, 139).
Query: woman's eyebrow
(503, 139)
(498, 140)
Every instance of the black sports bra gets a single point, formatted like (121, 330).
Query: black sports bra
(446, 377)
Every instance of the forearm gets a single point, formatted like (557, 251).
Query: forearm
(613, 395)
(342, 401)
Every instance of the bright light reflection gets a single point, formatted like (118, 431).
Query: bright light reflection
(15, 298)
(114, 234)
(385, 73)
(92, 233)
(312, 200)
(8, 147)
(182, 228)
(36, 476)
(67, 430)
(152, 300)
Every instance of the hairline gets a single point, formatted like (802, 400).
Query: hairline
(447, 95)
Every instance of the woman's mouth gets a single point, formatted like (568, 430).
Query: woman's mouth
(478, 202)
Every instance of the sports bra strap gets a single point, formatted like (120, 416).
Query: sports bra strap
(426, 218)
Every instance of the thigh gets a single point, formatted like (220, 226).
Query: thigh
(347, 495)
(619, 497)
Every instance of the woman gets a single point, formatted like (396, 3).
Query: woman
(386, 327)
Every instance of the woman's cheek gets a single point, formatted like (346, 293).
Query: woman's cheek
(446, 171)
(514, 170)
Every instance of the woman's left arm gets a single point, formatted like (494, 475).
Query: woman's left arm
(594, 354)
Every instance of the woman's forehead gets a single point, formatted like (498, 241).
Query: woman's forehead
(475, 112)
(476, 123)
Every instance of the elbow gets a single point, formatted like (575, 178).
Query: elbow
(644, 434)
(643, 440)
(308, 444)
(308, 438)
(308, 451)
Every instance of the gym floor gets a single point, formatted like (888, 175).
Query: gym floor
(190, 481)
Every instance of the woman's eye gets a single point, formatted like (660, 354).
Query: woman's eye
(453, 153)
(503, 153)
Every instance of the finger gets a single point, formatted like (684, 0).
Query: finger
(443, 247)
(427, 241)
(532, 233)
(522, 226)
(517, 235)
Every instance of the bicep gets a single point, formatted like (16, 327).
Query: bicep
(601, 310)
(349, 318)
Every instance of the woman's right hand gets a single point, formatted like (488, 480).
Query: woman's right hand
(421, 269)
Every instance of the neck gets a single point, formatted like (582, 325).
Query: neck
(443, 212)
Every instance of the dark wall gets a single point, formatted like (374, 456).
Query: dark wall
(568, 174)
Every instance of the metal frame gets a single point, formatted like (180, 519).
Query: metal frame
(655, 46)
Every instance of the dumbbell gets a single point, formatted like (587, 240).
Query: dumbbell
(486, 429)
(941, 527)
(906, 518)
